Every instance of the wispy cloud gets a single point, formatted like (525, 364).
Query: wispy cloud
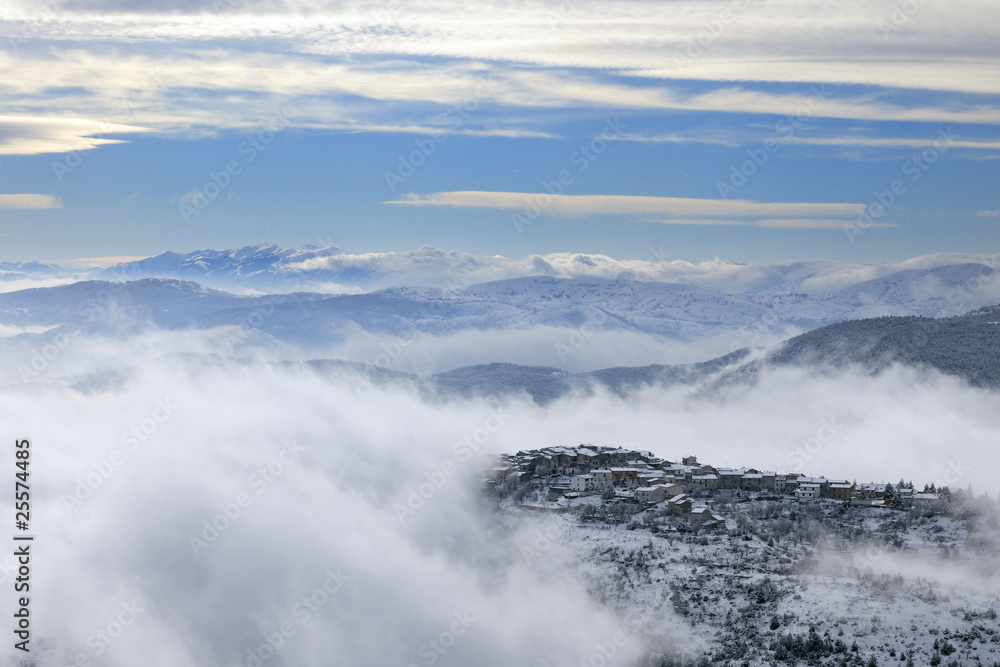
(35, 135)
(787, 223)
(676, 210)
(427, 57)
(30, 201)
(85, 262)
(988, 214)
(741, 138)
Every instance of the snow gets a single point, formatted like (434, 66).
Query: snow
(872, 578)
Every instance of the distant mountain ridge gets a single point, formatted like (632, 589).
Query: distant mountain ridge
(264, 265)
(668, 310)
(966, 347)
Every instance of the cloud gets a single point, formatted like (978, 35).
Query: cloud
(742, 138)
(102, 262)
(573, 350)
(786, 223)
(739, 210)
(987, 214)
(844, 42)
(30, 201)
(34, 135)
(206, 441)
(186, 441)
(368, 68)
(433, 267)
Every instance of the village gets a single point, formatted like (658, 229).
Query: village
(560, 477)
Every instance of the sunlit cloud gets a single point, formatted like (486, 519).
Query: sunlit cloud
(644, 207)
(734, 139)
(35, 135)
(30, 201)
(329, 60)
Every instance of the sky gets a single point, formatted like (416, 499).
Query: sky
(746, 130)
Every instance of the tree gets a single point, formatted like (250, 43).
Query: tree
(890, 495)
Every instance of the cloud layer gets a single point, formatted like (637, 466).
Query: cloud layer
(393, 68)
(144, 461)
(29, 201)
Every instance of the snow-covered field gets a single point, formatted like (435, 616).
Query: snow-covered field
(790, 582)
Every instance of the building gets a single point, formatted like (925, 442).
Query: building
(731, 480)
(752, 481)
(679, 504)
(699, 515)
(709, 482)
(807, 490)
(840, 490)
(650, 478)
(602, 477)
(650, 494)
(925, 499)
(619, 474)
(671, 489)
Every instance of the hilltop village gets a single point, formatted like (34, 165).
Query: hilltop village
(557, 478)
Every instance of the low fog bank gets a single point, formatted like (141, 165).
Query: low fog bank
(575, 350)
(237, 514)
(42, 354)
(223, 507)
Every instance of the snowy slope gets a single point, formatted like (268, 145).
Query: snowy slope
(671, 311)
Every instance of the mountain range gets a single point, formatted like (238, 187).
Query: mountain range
(672, 311)
(940, 316)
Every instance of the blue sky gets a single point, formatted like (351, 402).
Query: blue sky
(748, 131)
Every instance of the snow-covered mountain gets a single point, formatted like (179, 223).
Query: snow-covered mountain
(668, 310)
(329, 269)
(966, 346)
(261, 266)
